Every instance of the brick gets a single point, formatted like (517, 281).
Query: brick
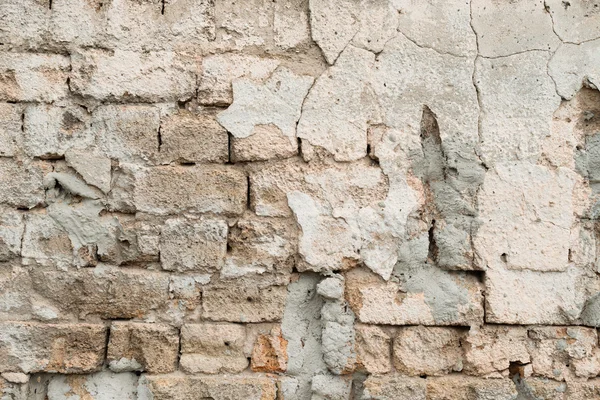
(114, 76)
(25, 23)
(394, 387)
(191, 138)
(270, 352)
(528, 213)
(49, 130)
(33, 77)
(193, 245)
(21, 183)
(152, 348)
(246, 302)
(419, 299)
(554, 298)
(259, 245)
(127, 132)
(10, 128)
(457, 387)
(428, 351)
(266, 142)
(373, 349)
(560, 353)
(104, 291)
(99, 385)
(200, 188)
(63, 348)
(490, 349)
(213, 348)
(11, 233)
(218, 387)
(219, 70)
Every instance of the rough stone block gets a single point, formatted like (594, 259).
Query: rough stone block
(527, 213)
(104, 385)
(270, 352)
(560, 353)
(11, 125)
(21, 183)
(455, 299)
(428, 351)
(395, 387)
(457, 387)
(491, 349)
(193, 245)
(11, 233)
(152, 348)
(554, 298)
(259, 245)
(127, 132)
(218, 72)
(218, 387)
(199, 188)
(50, 130)
(213, 348)
(33, 77)
(243, 301)
(116, 76)
(373, 349)
(191, 138)
(105, 291)
(64, 348)
(266, 142)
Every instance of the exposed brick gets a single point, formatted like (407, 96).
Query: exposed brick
(152, 348)
(64, 348)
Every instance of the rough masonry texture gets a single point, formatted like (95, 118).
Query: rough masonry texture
(299, 199)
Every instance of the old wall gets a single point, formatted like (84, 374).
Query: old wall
(296, 200)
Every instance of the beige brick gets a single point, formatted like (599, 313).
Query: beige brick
(21, 183)
(489, 350)
(11, 233)
(50, 130)
(33, 77)
(115, 76)
(243, 301)
(270, 352)
(266, 142)
(460, 387)
(193, 245)
(199, 188)
(105, 291)
(10, 128)
(559, 352)
(152, 348)
(191, 138)
(223, 387)
(127, 132)
(259, 245)
(213, 348)
(451, 298)
(395, 387)
(373, 349)
(64, 348)
(219, 70)
(428, 351)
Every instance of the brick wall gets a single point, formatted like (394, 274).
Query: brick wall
(299, 200)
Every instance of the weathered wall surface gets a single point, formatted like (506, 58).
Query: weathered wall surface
(299, 200)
